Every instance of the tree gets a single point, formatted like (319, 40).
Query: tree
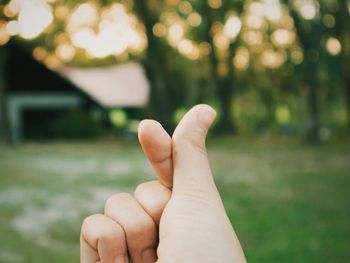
(155, 63)
(310, 30)
(223, 78)
(206, 32)
(343, 33)
(216, 51)
(3, 110)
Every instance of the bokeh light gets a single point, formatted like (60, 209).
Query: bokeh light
(12, 28)
(117, 31)
(333, 46)
(232, 27)
(4, 36)
(33, 18)
(307, 8)
(215, 3)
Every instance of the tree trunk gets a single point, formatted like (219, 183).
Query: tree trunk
(226, 94)
(268, 100)
(155, 65)
(347, 89)
(223, 85)
(309, 40)
(314, 108)
(343, 32)
(4, 127)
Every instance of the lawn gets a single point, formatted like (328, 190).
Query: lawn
(289, 202)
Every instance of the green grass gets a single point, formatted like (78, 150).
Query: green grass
(289, 202)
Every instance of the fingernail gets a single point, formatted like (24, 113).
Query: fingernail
(149, 255)
(120, 259)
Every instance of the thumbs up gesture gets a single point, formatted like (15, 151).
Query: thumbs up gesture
(179, 218)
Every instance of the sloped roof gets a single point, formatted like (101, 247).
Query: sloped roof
(123, 85)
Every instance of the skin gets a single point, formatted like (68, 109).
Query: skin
(179, 218)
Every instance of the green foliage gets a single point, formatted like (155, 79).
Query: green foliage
(283, 115)
(76, 124)
(281, 53)
(118, 118)
(179, 113)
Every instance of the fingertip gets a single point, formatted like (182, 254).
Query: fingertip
(146, 127)
(153, 138)
(205, 115)
(198, 119)
(153, 197)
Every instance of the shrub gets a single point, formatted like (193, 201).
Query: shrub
(76, 124)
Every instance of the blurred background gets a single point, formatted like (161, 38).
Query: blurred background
(76, 78)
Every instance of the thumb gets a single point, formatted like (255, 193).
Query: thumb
(192, 173)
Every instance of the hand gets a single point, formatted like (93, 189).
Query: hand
(179, 218)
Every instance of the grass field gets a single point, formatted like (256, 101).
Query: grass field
(288, 202)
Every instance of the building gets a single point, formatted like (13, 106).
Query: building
(36, 95)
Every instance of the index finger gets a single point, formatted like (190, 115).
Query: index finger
(157, 145)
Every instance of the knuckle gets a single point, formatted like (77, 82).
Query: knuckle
(140, 189)
(144, 188)
(97, 227)
(141, 228)
(87, 229)
(110, 236)
(90, 221)
(153, 197)
(116, 200)
(136, 227)
(155, 210)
